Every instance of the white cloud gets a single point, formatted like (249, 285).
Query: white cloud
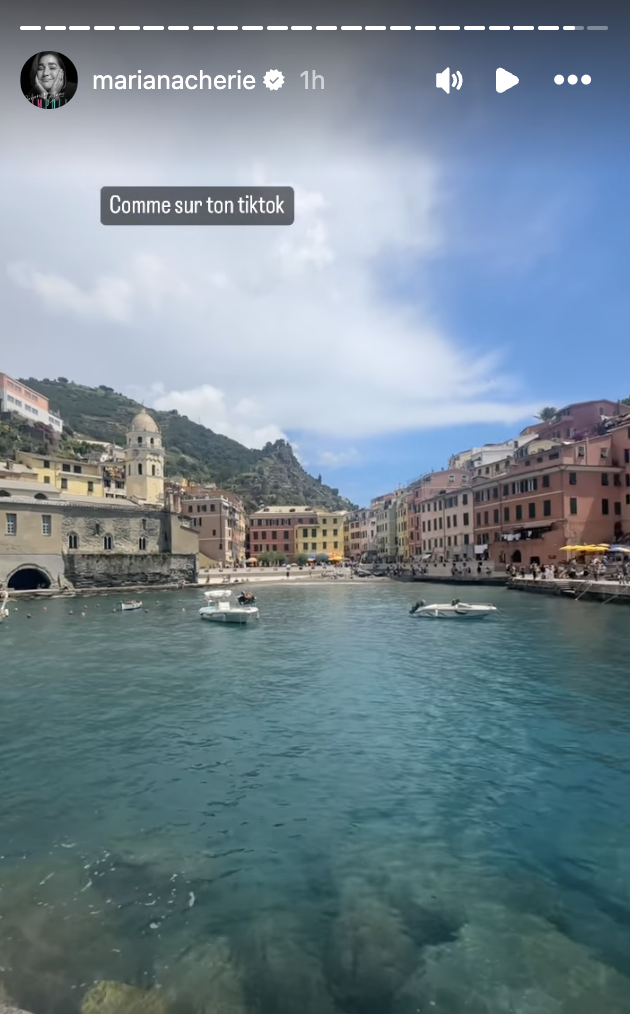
(336, 459)
(243, 421)
(257, 332)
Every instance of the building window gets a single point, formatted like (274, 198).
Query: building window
(11, 524)
(46, 524)
(73, 541)
(212, 507)
(519, 512)
(506, 513)
(628, 498)
(547, 508)
(90, 486)
(139, 440)
(485, 517)
(313, 533)
(573, 505)
(605, 507)
(144, 524)
(466, 519)
(46, 464)
(139, 469)
(546, 481)
(152, 441)
(572, 478)
(274, 535)
(335, 545)
(466, 539)
(47, 479)
(617, 507)
(65, 468)
(153, 472)
(64, 483)
(76, 469)
(496, 517)
(305, 545)
(305, 534)
(605, 479)
(142, 542)
(478, 520)
(263, 535)
(465, 499)
(313, 545)
(286, 535)
(531, 510)
(108, 542)
(324, 545)
(190, 509)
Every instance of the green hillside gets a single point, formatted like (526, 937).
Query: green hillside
(272, 475)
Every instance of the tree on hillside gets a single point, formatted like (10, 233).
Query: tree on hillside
(547, 414)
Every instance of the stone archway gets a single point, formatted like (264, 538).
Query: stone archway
(28, 578)
(516, 556)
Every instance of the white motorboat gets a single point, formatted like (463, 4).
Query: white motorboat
(4, 612)
(126, 607)
(454, 610)
(223, 607)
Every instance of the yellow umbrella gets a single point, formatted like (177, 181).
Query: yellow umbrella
(584, 549)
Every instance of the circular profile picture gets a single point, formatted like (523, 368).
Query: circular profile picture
(49, 80)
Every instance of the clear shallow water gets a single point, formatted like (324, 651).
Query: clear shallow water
(342, 809)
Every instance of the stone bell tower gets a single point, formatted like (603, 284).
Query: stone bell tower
(144, 460)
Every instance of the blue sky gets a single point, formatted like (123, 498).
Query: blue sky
(457, 262)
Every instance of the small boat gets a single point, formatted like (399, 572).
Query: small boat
(4, 612)
(223, 607)
(453, 610)
(126, 607)
(246, 599)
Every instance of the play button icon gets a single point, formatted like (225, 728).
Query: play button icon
(505, 80)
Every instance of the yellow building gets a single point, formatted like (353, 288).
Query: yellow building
(401, 502)
(329, 537)
(65, 474)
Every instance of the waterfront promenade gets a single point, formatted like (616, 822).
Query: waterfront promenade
(603, 590)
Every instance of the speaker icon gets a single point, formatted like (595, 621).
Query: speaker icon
(446, 80)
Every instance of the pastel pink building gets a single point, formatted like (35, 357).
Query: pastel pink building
(432, 484)
(553, 494)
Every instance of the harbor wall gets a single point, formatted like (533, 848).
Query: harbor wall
(125, 570)
(591, 591)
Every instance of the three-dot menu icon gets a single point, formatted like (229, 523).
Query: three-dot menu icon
(573, 79)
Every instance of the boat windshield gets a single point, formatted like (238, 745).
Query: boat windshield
(217, 594)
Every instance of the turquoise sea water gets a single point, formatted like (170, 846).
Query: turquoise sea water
(341, 809)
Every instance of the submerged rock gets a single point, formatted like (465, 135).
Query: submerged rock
(119, 998)
(57, 930)
(284, 971)
(371, 952)
(506, 962)
(206, 979)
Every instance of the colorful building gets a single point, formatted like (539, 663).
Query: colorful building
(16, 397)
(427, 486)
(297, 531)
(219, 521)
(280, 529)
(68, 475)
(360, 543)
(553, 494)
(447, 527)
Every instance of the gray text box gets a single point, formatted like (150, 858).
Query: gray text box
(197, 205)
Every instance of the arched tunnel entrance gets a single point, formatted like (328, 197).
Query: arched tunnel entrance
(28, 579)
